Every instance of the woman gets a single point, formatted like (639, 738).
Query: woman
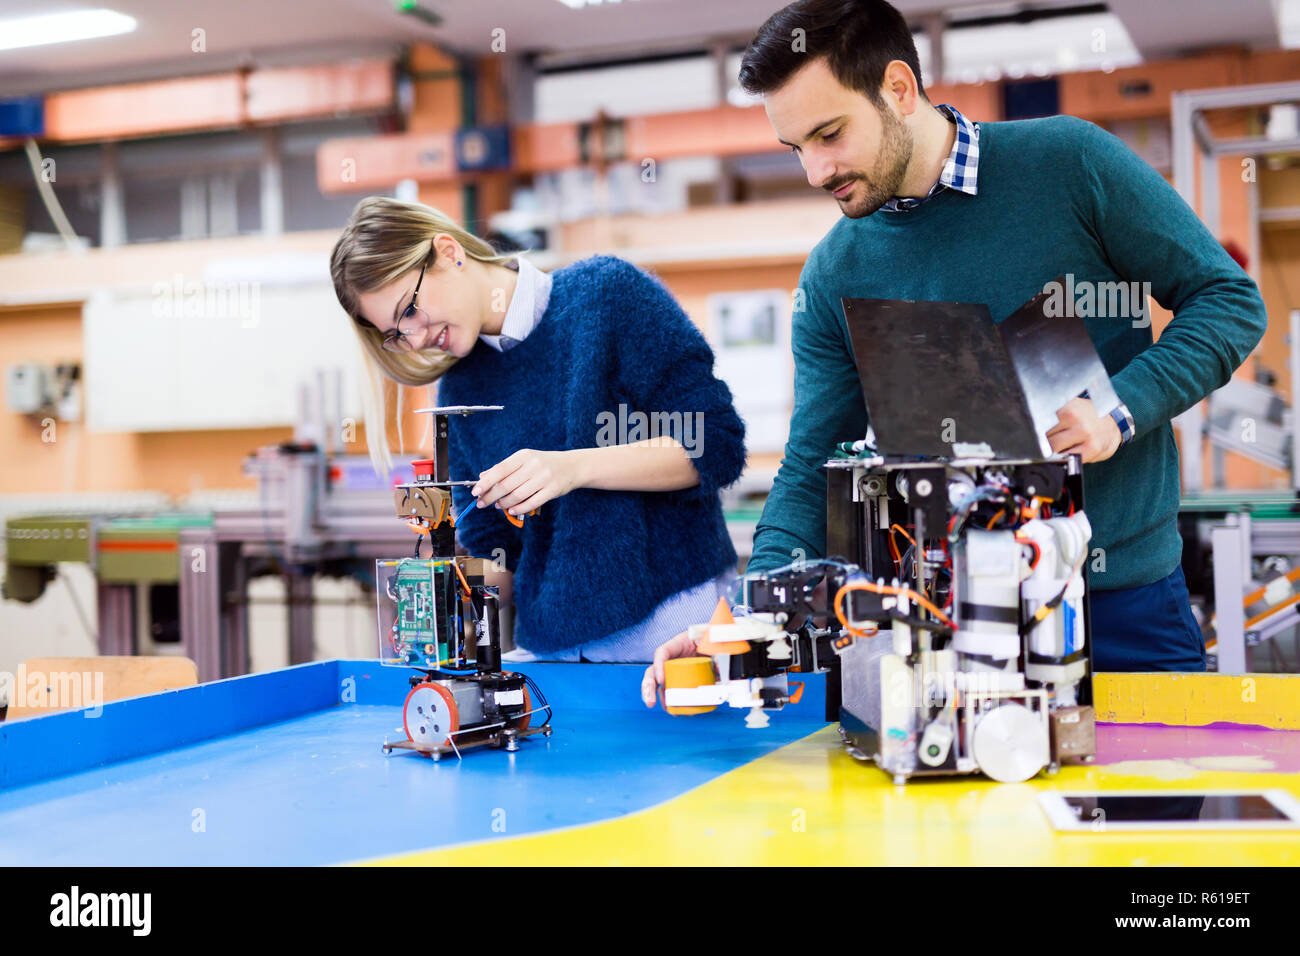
(629, 545)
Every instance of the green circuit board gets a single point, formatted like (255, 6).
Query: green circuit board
(424, 600)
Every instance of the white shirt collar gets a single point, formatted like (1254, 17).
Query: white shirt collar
(526, 308)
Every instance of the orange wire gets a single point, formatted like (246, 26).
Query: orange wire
(849, 627)
(903, 531)
(1038, 551)
(893, 547)
(839, 615)
(464, 583)
(885, 589)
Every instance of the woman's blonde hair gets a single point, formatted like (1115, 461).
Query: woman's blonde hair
(383, 239)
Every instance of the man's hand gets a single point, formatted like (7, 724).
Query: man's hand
(1081, 431)
(526, 480)
(679, 646)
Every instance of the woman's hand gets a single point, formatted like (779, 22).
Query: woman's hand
(527, 480)
(679, 646)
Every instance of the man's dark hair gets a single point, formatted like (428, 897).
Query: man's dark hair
(859, 38)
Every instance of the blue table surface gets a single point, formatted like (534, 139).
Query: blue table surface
(286, 768)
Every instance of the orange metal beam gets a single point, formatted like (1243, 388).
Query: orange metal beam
(377, 162)
(1143, 92)
(546, 148)
(380, 161)
(272, 95)
(217, 101)
(979, 101)
(142, 109)
(1272, 66)
(721, 131)
(283, 94)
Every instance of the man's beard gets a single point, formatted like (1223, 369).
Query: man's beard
(887, 174)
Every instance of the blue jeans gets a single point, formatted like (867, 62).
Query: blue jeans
(1148, 628)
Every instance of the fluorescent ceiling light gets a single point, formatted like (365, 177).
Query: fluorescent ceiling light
(579, 4)
(62, 27)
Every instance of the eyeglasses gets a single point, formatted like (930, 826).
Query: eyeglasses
(416, 319)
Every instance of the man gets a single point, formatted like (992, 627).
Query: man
(942, 209)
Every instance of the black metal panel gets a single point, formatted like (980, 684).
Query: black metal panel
(843, 524)
(440, 464)
(940, 376)
(936, 377)
(1055, 360)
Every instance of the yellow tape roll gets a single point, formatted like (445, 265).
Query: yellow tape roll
(689, 672)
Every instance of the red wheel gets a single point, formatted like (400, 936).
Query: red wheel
(430, 715)
(528, 706)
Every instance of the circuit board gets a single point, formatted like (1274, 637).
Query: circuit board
(422, 611)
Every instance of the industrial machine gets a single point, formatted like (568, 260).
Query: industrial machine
(951, 610)
(439, 617)
(957, 630)
(178, 569)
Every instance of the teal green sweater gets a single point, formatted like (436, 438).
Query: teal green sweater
(1056, 196)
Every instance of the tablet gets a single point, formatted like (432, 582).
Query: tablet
(1171, 810)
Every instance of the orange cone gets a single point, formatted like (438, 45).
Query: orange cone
(721, 615)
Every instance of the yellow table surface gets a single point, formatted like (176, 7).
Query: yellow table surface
(811, 803)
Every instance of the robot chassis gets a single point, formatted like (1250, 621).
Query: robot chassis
(460, 697)
(956, 640)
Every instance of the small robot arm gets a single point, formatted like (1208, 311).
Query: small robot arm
(743, 663)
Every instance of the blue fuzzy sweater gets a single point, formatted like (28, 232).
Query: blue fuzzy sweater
(594, 562)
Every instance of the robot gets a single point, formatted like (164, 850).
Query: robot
(755, 653)
(460, 697)
(957, 635)
(952, 615)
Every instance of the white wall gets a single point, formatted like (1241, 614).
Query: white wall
(49, 626)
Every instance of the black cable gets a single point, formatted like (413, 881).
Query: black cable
(542, 697)
(922, 623)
